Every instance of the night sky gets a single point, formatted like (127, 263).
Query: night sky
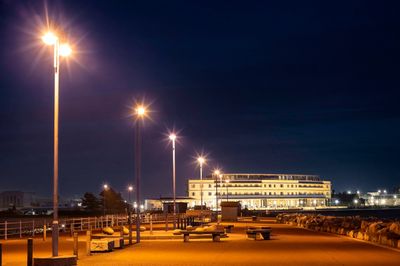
(285, 87)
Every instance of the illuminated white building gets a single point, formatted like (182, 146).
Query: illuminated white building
(261, 191)
(381, 198)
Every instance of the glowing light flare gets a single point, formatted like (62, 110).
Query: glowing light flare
(140, 111)
(172, 137)
(201, 160)
(65, 50)
(130, 188)
(105, 186)
(217, 172)
(49, 38)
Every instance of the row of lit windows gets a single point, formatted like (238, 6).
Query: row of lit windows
(269, 186)
(258, 193)
(257, 185)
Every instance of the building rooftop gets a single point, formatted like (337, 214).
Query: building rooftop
(259, 176)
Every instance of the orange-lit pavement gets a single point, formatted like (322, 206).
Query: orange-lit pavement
(288, 246)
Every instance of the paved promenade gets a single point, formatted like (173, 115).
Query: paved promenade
(288, 246)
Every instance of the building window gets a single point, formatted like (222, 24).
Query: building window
(209, 193)
(281, 185)
(193, 194)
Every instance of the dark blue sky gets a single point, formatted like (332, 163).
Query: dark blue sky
(291, 86)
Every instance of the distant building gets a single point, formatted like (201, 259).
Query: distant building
(16, 199)
(29, 200)
(381, 199)
(262, 191)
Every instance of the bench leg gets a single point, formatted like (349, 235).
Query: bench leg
(266, 236)
(216, 238)
(185, 238)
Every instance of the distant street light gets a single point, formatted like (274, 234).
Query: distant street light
(172, 137)
(140, 112)
(105, 188)
(64, 50)
(336, 201)
(130, 189)
(201, 161)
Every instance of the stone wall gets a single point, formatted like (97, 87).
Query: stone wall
(381, 231)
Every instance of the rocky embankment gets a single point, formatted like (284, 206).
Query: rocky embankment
(384, 232)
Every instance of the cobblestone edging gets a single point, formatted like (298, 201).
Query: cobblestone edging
(383, 232)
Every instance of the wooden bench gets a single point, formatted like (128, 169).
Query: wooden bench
(256, 232)
(216, 235)
(228, 228)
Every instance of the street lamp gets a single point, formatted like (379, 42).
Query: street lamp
(201, 161)
(227, 194)
(172, 137)
(59, 50)
(105, 188)
(140, 112)
(130, 188)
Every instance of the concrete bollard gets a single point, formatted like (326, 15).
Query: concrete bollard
(88, 239)
(30, 252)
(44, 232)
(151, 224)
(76, 247)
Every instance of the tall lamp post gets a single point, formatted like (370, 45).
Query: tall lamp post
(172, 137)
(59, 50)
(140, 112)
(130, 188)
(216, 175)
(201, 161)
(227, 193)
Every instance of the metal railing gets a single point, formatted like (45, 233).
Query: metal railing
(29, 227)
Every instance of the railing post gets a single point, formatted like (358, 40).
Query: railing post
(81, 224)
(30, 252)
(20, 229)
(1, 254)
(33, 227)
(151, 224)
(5, 230)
